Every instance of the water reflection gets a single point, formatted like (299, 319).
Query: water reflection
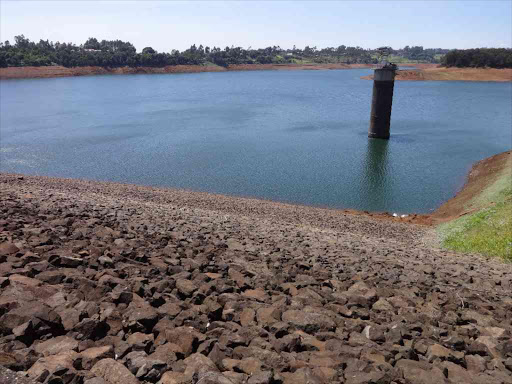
(376, 185)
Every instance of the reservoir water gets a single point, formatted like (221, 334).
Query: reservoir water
(292, 136)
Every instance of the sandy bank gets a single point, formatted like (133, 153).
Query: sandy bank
(58, 71)
(453, 74)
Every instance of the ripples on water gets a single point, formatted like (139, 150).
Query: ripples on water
(296, 136)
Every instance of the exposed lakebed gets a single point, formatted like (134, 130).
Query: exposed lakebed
(294, 136)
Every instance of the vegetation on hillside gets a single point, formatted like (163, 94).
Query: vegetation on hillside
(489, 229)
(479, 57)
(117, 53)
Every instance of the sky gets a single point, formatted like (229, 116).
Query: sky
(167, 25)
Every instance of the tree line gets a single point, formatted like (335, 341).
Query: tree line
(117, 53)
(479, 57)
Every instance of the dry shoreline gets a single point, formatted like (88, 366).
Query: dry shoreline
(58, 71)
(423, 72)
(452, 74)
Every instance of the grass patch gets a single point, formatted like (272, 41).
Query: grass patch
(488, 230)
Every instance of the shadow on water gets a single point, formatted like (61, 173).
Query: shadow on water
(376, 183)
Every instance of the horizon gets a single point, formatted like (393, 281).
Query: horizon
(178, 25)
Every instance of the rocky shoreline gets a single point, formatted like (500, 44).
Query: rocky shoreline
(104, 283)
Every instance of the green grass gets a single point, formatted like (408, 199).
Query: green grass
(488, 230)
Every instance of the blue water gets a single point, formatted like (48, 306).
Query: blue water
(294, 136)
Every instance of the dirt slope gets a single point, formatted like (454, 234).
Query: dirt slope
(140, 285)
(482, 174)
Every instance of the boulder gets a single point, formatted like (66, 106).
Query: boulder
(113, 372)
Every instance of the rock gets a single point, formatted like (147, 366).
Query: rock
(361, 294)
(301, 376)
(374, 333)
(491, 344)
(95, 380)
(140, 341)
(255, 294)
(268, 316)
(7, 249)
(24, 280)
(92, 355)
(247, 317)
(106, 261)
(475, 363)
(32, 311)
(457, 374)
(113, 372)
(420, 373)
(53, 363)
(367, 377)
(135, 360)
(309, 322)
(140, 317)
(90, 328)
(197, 365)
(261, 378)
(438, 352)
(186, 287)
(168, 353)
(382, 305)
(186, 338)
(56, 345)
(9, 377)
(64, 261)
(250, 365)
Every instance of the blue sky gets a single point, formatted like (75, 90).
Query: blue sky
(167, 25)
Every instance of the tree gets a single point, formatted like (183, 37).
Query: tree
(149, 50)
(92, 43)
(21, 42)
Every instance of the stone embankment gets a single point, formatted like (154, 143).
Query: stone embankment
(104, 283)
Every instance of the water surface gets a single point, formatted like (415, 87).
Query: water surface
(294, 136)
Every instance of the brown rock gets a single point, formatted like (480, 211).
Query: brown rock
(140, 317)
(9, 377)
(186, 287)
(168, 353)
(140, 341)
(56, 345)
(382, 305)
(309, 322)
(92, 355)
(53, 363)
(186, 338)
(261, 378)
(113, 372)
(255, 294)
(301, 376)
(373, 333)
(420, 373)
(247, 317)
(7, 248)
